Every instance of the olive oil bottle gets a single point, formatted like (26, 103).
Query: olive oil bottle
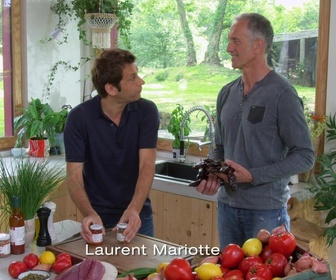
(17, 229)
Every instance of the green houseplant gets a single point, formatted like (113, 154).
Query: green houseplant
(324, 185)
(78, 10)
(33, 181)
(174, 126)
(37, 123)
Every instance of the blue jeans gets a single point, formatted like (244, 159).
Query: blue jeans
(236, 225)
(147, 225)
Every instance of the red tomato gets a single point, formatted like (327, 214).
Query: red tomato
(63, 256)
(234, 274)
(231, 256)
(16, 268)
(178, 269)
(61, 265)
(283, 243)
(259, 270)
(247, 263)
(265, 253)
(31, 260)
(276, 263)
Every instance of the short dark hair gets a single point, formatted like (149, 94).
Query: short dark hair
(260, 27)
(108, 68)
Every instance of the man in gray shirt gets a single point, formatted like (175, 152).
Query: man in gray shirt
(261, 132)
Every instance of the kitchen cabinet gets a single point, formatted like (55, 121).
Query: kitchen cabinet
(184, 220)
(65, 208)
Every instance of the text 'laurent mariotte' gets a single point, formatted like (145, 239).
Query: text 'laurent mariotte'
(162, 250)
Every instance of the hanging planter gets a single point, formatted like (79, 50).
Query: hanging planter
(101, 25)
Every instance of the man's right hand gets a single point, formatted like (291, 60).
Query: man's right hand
(87, 221)
(209, 186)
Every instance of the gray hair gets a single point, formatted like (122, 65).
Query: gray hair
(259, 27)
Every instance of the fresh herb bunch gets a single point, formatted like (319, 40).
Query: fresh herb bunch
(33, 181)
(174, 126)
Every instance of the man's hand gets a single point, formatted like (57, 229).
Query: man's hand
(132, 218)
(241, 173)
(209, 186)
(87, 221)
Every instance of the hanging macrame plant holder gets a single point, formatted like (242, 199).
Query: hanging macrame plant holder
(101, 25)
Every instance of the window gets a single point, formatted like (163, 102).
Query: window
(310, 42)
(11, 100)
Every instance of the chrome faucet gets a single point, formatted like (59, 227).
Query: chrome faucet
(211, 130)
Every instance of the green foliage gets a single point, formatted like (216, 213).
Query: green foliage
(77, 9)
(324, 185)
(38, 120)
(161, 76)
(30, 180)
(174, 126)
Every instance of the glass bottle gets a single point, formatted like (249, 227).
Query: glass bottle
(17, 228)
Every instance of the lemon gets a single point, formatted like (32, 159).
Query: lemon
(208, 270)
(252, 247)
(161, 266)
(47, 257)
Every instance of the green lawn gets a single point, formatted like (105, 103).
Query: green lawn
(189, 86)
(192, 86)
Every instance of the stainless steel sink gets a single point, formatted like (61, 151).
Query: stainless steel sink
(177, 171)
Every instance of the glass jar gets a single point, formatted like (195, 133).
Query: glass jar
(4, 245)
(97, 234)
(120, 232)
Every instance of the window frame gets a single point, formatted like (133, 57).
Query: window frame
(321, 80)
(165, 144)
(8, 142)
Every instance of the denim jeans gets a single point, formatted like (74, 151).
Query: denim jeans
(147, 225)
(236, 225)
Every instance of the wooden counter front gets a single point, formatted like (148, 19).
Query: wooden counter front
(143, 251)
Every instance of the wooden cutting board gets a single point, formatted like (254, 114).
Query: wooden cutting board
(143, 251)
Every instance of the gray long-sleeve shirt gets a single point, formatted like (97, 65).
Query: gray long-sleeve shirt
(268, 135)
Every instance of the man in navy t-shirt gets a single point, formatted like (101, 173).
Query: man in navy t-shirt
(110, 144)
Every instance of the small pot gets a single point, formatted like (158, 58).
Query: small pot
(18, 152)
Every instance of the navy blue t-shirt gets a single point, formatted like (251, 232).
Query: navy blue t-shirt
(110, 153)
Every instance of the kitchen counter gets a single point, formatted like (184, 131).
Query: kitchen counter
(64, 230)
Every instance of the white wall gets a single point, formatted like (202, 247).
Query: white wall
(40, 57)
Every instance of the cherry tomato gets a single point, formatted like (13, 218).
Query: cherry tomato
(31, 260)
(178, 269)
(247, 263)
(61, 265)
(63, 256)
(276, 263)
(231, 256)
(234, 274)
(265, 253)
(283, 243)
(259, 270)
(16, 268)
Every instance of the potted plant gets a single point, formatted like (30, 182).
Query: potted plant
(18, 150)
(32, 181)
(80, 9)
(324, 184)
(61, 118)
(174, 127)
(37, 124)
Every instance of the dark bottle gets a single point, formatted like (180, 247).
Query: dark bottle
(43, 238)
(17, 229)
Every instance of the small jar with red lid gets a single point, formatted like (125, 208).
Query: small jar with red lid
(97, 234)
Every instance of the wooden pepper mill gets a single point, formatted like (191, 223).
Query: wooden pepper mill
(43, 238)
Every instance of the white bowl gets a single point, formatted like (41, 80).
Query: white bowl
(35, 272)
(18, 152)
